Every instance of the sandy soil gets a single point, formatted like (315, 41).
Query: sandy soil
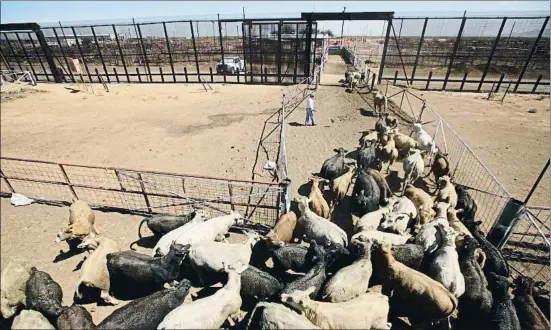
(184, 129)
(178, 128)
(510, 141)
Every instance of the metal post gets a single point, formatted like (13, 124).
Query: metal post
(13, 52)
(463, 81)
(169, 53)
(261, 53)
(80, 53)
(491, 56)
(523, 71)
(244, 52)
(399, 54)
(387, 37)
(536, 183)
(38, 56)
(342, 26)
(222, 46)
(251, 49)
(455, 47)
(419, 49)
(49, 56)
(26, 55)
(428, 80)
(120, 52)
(308, 54)
(499, 82)
(296, 55)
(279, 62)
(513, 211)
(537, 83)
(144, 53)
(100, 55)
(195, 51)
(64, 57)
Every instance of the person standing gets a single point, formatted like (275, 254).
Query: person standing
(310, 117)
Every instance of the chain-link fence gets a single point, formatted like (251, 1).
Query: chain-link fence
(525, 242)
(140, 192)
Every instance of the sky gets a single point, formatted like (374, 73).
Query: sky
(49, 13)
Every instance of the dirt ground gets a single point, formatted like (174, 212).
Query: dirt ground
(178, 128)
(512, 142)
(184, 129)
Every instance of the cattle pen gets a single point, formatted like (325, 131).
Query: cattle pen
(149, 53)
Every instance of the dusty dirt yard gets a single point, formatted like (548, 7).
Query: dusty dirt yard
(184, 129)
(178, 128)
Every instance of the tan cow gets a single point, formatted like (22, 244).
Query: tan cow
(94, 270)
(81, 222)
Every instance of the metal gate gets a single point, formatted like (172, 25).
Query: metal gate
(277, 51)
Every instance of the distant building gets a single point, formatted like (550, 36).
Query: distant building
(70, 40)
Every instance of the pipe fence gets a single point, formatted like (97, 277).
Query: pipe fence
(492, 198)
(138, 191)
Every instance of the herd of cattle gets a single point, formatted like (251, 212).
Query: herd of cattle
(412, 260)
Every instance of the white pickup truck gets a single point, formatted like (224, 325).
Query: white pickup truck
(230, 65)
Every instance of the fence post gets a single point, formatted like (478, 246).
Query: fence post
(144, 53)
(513, 211)
(245, 60)
(296, 56)
(536, 84)
(195, 51)
(419, 49)
(387, 37)
(536, 183)
(222, 46)
(64, 56)
(169, 53)
(279, 62)
(531, 54)
(49, 55)
(120, 52)
(491, 56)
(25, 53)
(454, 52)
(80, 53)
(38, 56)
(13, 51)
(100, 55)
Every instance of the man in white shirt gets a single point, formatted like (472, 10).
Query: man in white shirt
(310, 111)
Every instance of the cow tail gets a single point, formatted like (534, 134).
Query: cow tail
(145, 220)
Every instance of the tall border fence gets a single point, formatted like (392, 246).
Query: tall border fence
(520, 231)
(267, 51)
(471, 54)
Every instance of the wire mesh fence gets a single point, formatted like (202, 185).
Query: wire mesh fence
(527, 243)
(140, 192)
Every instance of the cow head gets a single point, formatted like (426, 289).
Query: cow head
(298, 298)
(76, 230)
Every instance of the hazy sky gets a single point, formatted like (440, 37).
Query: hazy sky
(97, 12)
